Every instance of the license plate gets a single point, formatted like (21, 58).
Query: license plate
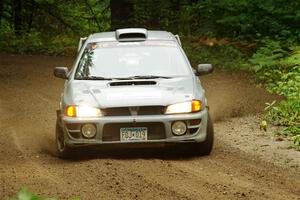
(133, 134)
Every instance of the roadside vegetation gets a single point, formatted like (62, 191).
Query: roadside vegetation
(25, 194)
(277, 65)
(258, 36)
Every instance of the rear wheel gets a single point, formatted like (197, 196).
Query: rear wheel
(63, 151)
(205, 148)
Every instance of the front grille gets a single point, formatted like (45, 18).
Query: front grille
(142, 110)
(155, 130)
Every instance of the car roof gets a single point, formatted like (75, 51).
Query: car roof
(111, 36)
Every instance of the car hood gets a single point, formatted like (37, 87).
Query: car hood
(102, 94)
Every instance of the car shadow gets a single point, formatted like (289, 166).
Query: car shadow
(125, 153)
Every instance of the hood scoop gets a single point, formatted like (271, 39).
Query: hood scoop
(128, 83)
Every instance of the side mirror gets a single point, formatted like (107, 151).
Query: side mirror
(203, 69)
(61, 72)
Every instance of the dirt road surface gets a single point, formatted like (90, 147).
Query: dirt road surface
(245, 163)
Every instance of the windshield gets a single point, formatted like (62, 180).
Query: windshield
(131, 59)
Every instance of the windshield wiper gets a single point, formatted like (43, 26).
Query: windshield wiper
(121, 78)
(145, 77)
(93, 78)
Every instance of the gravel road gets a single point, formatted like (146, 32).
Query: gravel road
(245, 163)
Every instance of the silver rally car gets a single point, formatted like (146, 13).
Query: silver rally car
(133, 86)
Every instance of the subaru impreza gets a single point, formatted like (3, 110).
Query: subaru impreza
(135, 87)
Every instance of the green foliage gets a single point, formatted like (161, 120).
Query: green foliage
(34, 42)
(50, 26)
(154, 14)
(42, 22)
(248, 19)
(24, 194)
(286, 113)
(222, 56)
(296, 143)
(278, 65)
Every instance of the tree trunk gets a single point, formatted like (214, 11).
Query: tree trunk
(1, 11)
(52, 11)
(32, 13)
(121, 14)
(17, 16)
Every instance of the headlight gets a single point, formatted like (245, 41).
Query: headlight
(83, 111)
(185, 107)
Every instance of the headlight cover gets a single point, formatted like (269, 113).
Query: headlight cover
(185, 107)
(83, 111)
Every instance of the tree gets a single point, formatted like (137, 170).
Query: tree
(121, 14)
(17, 5)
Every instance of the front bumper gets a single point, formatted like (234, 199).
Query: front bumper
(195, 133)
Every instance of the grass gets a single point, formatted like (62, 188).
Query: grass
(24, 194)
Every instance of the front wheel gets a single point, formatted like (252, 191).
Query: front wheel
(62, 149)
(205, 147)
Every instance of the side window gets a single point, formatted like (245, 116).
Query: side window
(86, 63)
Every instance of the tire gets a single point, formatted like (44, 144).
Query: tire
(62, 149)
(205, 148)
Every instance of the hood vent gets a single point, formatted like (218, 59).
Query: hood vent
(127, 83)
(131, 34)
